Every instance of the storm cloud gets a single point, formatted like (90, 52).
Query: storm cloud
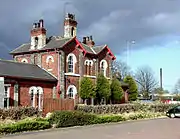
(112, 22)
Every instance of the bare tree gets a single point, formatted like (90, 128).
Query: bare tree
(146, 80)
(121, 69)
(177, 87)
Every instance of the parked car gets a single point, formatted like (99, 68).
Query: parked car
(173, 112)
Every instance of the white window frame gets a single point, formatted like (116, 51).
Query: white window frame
(48, 59)
(7, 96)
(24, 60)
(74, 61)
(74, 91)
(40, 97)
(105, 66)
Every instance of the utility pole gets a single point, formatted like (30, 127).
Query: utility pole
(64, 14)
(161, 79)
(128, 45)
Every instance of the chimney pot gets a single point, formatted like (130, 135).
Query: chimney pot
(38, 25)
(91, 38)
(84, 40)
(34, 25)
(41, 21)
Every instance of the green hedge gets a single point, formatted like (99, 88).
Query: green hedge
(124, 108)
(71, 118)
(21, 126)
(77, 118)
(18, 113)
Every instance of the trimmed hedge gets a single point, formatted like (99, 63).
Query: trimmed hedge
(71, 118)
(77, 118)
(124, 108)
(18, 113)
(21, 126)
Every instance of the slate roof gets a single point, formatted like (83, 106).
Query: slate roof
(24, 70)
(52, 42)
(98, 49)
(56, 42)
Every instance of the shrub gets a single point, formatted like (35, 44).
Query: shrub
(18, 113)
(124, 108)
(133, 88)
(76, 118)
(21, 126)
(108, 119)
(71, 118)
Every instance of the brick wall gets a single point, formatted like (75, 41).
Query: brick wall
(52, 67)
(24, 86)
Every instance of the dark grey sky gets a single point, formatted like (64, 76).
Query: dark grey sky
(111, 22)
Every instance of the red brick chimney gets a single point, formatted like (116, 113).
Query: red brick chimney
(88, 41)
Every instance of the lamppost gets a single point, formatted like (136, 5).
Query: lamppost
(66, 3)
(128, 49)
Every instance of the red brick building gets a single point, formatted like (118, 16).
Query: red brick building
(64, 59)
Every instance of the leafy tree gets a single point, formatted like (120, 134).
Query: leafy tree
(116, 90)
(102, 88)
(87, 88)
(133, 88)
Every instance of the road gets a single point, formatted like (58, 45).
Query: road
(148, 129)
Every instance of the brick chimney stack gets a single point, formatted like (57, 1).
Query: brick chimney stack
(88, 41)
(38, 35)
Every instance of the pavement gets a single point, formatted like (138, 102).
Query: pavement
(146, 129)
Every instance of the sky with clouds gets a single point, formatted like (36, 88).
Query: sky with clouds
(153, 24)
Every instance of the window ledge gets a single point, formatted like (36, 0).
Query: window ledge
(72, 74)
(89, 76)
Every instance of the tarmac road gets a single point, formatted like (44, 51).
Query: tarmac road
(145, 129)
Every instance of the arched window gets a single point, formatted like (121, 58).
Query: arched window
(103, 67)
(90, 66)
(72, 32)
(32, 93)
(24, 60)
(71, 92)
(86, 63)
(36, 97)
(70, 64)
(36, 42)
(40, 97)
(49, 61)
(71, 61)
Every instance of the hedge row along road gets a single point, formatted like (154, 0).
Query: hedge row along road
(145, 129)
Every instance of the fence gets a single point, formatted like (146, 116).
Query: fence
(50, 104)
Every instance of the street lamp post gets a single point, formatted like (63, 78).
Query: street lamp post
(128, 50)
(64, 13)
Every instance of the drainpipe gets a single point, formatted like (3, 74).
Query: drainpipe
(58, 85)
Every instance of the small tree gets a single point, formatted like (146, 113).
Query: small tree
(102, 88)
(133, 88)
(87, 88)
(116, 90)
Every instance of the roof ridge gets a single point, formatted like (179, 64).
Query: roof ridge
(19, 46)
(47, 71)
(93, 50)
